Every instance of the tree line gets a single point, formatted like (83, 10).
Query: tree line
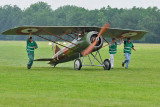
(41, 14)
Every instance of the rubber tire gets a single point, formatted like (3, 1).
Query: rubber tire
(107, 64)
(79, 66)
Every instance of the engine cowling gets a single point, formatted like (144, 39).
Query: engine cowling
(91, 36)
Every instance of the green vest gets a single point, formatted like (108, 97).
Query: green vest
(127, 47)
(30, 46)
(113, 48)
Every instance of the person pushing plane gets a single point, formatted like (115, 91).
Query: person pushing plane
(31, 45)
(113, 50)
(128, 46)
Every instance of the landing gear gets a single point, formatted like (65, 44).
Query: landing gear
(107, 64)
(77, 64)
(80, 62)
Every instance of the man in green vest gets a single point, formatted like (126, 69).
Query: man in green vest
(113, 50)
(31, 45)
(128, 45)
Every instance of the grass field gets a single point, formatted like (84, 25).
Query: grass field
(44, 86)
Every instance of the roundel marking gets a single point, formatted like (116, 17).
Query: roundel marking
(29, 30)
(130, 34)
(25, 31)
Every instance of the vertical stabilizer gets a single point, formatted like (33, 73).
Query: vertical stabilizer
(55, 49)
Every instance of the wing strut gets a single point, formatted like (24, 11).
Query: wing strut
(64, 35)
(115, 40)
(54, 42)
(110, 33)
(75, 31)
(106, 44)
(71, 36)
(61, 38)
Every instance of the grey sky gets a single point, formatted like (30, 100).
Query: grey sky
(88, 4)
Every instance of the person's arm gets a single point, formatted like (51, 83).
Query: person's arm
(133, 48)
(110, 44)
(119, 43)
(35, 45)
(27, 40)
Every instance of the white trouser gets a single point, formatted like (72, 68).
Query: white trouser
(112, 60)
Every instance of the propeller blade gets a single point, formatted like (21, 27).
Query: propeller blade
(104, 28)
(91, 47)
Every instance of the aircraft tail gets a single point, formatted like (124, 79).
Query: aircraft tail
(56, 49)
(52, 63)
(44, 59)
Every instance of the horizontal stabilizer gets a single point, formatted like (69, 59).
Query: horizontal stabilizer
(44, 59)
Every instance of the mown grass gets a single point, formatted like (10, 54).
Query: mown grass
(43, 85)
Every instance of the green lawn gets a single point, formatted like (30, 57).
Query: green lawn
(44, 86)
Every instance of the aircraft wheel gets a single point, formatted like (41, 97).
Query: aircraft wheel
(77, 64)
(107, 64)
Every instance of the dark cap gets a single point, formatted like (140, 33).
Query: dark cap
(30, 38)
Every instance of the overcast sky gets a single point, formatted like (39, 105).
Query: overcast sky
(88, 4)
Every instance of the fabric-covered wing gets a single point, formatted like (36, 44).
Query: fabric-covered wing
(124, 33)
(60, 30)
(43, 30)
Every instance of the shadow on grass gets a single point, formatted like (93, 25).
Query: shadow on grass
(86, 69)
(83, 69)
(66, 69)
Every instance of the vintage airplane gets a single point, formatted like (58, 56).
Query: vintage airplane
(86, 40)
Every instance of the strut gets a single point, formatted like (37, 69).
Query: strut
(54, 42)
(61, 38)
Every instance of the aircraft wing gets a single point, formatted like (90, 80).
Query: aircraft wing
(124, 33)
(60, 30)
(43, 30)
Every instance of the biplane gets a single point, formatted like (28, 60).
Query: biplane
(85, 41)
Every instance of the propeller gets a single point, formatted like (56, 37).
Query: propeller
(91, 47)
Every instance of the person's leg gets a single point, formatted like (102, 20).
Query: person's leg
(129, 57)
(112, 60)
(126, 58)
(31, 58)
